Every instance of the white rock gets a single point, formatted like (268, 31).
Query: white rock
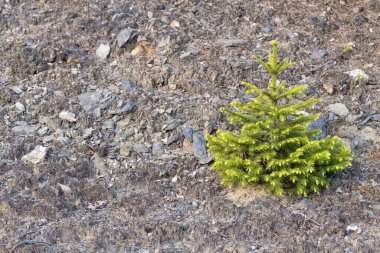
(66, 115)
(339, 109)
(103, 51)
(36, 156)
(20, 107)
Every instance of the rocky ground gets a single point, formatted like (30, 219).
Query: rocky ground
(104, 106)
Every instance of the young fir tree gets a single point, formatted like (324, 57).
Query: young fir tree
(274, 147)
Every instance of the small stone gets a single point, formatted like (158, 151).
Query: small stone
(17, 89)
(124, 36)
(108, 125)
(127, 108)
(137, 51)
(66, 115)
(87, 133)
(65, 189)
(232, 42)
(128, 85)
(320, 53)
(42, 131)
(140, 148)
(171, 125)
(184, 55)
(36, 156)
(187, 133)
(103, 51)
(339, 109)
(376, 117)
(199, 145)
(174, 24)
(158, 148)
(22, 128)
(310, 90)
(20, 107)
(329, 88)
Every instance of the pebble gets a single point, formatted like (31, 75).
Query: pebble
(232, 42)
(92, 102)
(320, 53)
(140, 148)
(22, 128)
(66, 115)
(103, 51)
(20, 107)
(187, 132)
(199, 143)
(127, 108)
(36, 156)
(128, 85)
(172, 124)
(124, 36)
(339, 109)
(17, 89)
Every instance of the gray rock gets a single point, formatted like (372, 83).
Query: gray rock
(310, 90)
(232, 42)
(17, 89)
(92, 102)
(339, 109)
(184, 55)
(187, 132)
(36, 156)
(20, 107)
(87, 133)
(172, 124)
(172, 139)
(103, 51)
(127, 108)
(320, 53)
(22, 128)
(124, 36)
(127, 85)
(321, 124)
(266, 28)
(108, 124)
(42, 131)
(66, 115)
(140, 148)
(158, 148)
(199, 144)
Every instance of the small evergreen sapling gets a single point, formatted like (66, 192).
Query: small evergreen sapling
(274, 146)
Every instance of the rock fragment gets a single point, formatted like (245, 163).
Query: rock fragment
(103, 51)
(199, 144)
(66, 115)
(36, 156)
(320, 53)
(124, 36)
(339, 109)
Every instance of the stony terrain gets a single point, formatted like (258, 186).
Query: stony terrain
(104, 106)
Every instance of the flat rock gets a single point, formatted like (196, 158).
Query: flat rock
(124, 36)
(339, 109)
(66, 115)
(20, 107)
(320, 53)
(140, 148)
(126, 108)
(232, 42)
(172, 124)
(199, 143)
(128, 85)
(92, 102)
(103, 51)
(36, 156)
(22, 128)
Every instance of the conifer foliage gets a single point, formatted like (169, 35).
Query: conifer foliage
(274, 146)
